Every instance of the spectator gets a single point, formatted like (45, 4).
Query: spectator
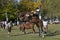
(45, 25)
(9, 26)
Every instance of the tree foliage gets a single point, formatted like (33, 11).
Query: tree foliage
(51, 7)
(28, 5)
(10, 8)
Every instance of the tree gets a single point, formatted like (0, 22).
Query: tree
(51, 7)
(10, 8)
(28, 5)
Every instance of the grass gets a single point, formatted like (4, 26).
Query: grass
(16, 34)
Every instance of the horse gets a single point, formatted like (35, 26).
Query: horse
(26, 23)
(29, 25)
(34, 20)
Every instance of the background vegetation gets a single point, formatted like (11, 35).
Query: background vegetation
(50, 8)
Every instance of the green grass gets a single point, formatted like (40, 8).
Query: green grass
(16, 34)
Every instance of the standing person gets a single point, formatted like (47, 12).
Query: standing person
(9, 26)
(45, 26)
(17, 23)
(3, 24)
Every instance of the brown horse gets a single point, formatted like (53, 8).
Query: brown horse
(28, 25)
(34, 20)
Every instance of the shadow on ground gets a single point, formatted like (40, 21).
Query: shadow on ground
(21, 34)
(57, 32)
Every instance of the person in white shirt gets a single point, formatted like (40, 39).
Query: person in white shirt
(6, 24)
(17, 22)
(45, 26)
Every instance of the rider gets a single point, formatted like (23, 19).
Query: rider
(36, 12)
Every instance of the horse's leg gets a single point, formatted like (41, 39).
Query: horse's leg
(4, 26)
(45, 30)
(33, 30)
(40, 27)
(24, 30)
(39, 31)
(42, 32)
(20, 28)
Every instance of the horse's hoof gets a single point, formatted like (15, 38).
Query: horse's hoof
(24, 32)
(43, 35)
(8, 33)
(34, 32)
(39, 35)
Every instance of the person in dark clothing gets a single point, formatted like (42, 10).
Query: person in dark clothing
(9, 27)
